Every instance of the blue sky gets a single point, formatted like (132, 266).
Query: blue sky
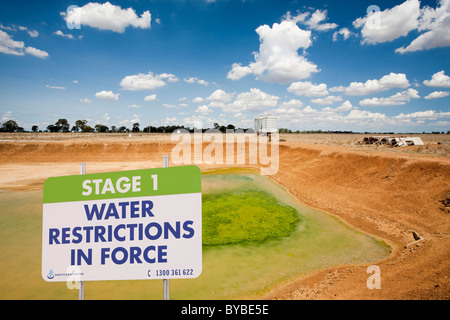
(336, 65)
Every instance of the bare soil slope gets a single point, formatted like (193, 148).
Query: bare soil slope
(386, 195)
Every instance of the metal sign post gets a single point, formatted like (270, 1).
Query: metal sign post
(81, 283)
(166, 281)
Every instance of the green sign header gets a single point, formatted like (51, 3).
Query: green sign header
(123, 184)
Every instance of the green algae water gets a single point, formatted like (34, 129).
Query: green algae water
(255, 236)
(247, 215)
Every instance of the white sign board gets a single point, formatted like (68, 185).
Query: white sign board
(129, 225)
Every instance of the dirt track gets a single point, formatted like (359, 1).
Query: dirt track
(384, 192)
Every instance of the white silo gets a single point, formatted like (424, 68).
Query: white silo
(266, 124)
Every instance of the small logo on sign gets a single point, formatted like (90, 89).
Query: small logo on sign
(50, 275)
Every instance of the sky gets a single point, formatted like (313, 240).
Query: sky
(375, 66)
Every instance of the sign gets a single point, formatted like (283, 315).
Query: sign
(126, 225)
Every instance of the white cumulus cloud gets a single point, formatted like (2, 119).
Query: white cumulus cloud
(363, 114)
(345, 106)
(146, 81)
(107, 16)
(278, 59)
(327, 100)
(151, 97)
(36, 52)
(432, 24)
(64, 35)
(437, 94)
(253, 100)
(439, 79)
(197, 100)
(107, 95)
(55, 87)
(390, 24)
(31, 33)
(238, 71)
(399, 98)
(170, 77)
(10, 46)
(293, 103)
(196, 80)
(203, 109)
(306, 88)
(426, 115)
(18, 48)
(316, 21)
(392, 80)
(435, 25)
(344, 32)
(219, 97)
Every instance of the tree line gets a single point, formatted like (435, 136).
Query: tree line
(62, 125)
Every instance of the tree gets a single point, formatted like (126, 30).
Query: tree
(63, 125)
(122, 129)
(79, 125)
(88, 129)
(149, 129)
(135, 127)
(34, 128)
(53, 128)
(101, 128)
(10, 126)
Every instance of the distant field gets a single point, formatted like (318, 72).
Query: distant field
(50, 136)
(322, 138)
(435, 144)
(341, 138)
